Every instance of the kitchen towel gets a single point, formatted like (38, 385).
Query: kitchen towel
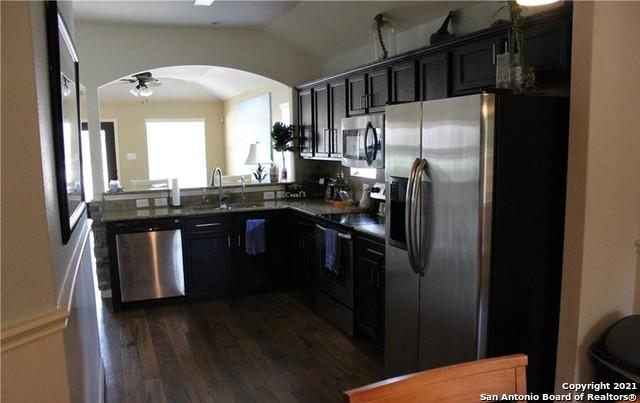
(331, 250)
(255, 237)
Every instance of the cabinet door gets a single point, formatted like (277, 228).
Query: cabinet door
(404, 83)
(368, 297)
(434, 76)
(474, 66)
(546, 48)
(259, 272)
(321, 120)
(357, 94)
(304, 270)
(305, 120)
(210, 264)
(338, 109)
(378, 90)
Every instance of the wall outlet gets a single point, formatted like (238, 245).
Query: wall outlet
(142, 203)
(131, 156)
(160, 201)
(280, 194)
(268, 195)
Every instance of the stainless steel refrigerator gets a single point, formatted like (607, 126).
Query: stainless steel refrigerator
(475, 212)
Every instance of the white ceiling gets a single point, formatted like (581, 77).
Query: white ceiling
(321, 28)
(227, 14)
(328, 28)
(189, 83)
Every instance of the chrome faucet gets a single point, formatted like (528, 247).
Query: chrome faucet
(218, 171)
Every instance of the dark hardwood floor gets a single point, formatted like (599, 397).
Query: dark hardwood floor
(263, 348)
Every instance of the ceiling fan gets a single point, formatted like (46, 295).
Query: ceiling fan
(142, 83)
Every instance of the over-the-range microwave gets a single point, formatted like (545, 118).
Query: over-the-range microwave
(363, 141)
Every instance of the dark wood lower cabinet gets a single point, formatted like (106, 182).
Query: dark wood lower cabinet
(210, 264)
(369, 289)
(217, 262)
(304, 260)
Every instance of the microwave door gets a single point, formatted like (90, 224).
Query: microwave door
(353, 148)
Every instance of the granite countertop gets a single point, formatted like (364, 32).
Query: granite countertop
(310, 207)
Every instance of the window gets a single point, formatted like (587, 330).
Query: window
(370, 173)
(176, 149)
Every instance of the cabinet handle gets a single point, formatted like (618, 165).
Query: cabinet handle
(229, 241)
(493, 51)
(321, 227)
(344, 236)
(363, 105)
(370, 100)
(211, 224)
(375, 252)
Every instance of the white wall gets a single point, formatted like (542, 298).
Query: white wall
(235, 139)
(603, 194)
(38, 271)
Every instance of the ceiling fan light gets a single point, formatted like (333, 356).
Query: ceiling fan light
(205, 3)
(529, 3)
(145, 91)
(135, 91)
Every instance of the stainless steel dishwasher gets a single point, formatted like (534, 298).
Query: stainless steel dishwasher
(150, 259)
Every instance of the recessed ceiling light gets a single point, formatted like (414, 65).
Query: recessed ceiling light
(202, 2)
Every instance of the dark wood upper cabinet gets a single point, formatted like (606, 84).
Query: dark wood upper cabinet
(321, 129)
(404, 82)
(357, 94)
(378, 90)
(305, 122)
(552, 63)
(435, 81)
(338, 111)
(461, 66)
(474, 65)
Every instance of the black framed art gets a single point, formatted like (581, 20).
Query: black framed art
(65, 109)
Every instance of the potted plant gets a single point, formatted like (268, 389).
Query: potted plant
(282, 137)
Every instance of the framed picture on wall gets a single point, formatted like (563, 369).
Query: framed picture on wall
(65, 109)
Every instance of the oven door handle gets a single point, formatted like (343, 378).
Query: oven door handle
(340, 234)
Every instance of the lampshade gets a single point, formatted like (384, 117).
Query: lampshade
(258, 154)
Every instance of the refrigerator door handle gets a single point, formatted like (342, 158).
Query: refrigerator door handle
(409, 217)
(416, 219)
(422, 244)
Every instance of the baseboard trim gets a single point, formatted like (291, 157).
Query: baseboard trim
(32, 330)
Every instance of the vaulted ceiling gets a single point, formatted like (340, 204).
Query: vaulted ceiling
(321, 28)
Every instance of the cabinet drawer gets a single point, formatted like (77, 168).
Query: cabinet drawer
(210, 223)
(370, 249)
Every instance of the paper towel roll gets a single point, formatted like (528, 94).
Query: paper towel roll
(175, 192)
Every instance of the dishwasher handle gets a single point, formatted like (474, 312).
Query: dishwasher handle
(148, 226)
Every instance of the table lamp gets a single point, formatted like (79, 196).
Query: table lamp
(258, 155)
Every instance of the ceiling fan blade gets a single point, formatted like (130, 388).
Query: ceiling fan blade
(128, 81)
(153, 84)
